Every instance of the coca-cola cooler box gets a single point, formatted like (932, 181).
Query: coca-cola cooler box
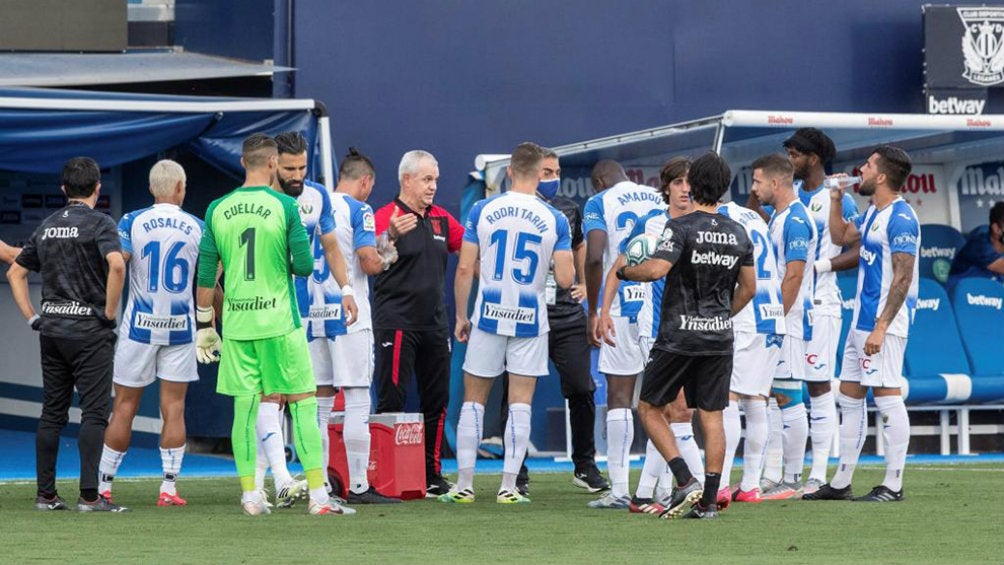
(397, 454)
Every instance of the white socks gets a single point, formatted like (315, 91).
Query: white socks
(823, 413)
(516, 437)
(793, 436)
(896, 432)
(109, 466)
(261, 467)
(269, 430)
(170, 460)
(853, 430)
(620, 436)
(775, 451)
(653, 467)
(469, 429)
(733, 432)
(324, 404)
(756, 442)
(357, 436)
(687, 445)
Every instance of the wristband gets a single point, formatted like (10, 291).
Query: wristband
(620, 274)
(32, 320)
(347, 290)
(824, 266)
(203, 317)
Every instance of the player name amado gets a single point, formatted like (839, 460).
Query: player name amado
(250, 304)
(696, 324)
(521, 213)
(246, 208)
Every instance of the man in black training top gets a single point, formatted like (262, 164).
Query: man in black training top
(79, 255)
(703, 256)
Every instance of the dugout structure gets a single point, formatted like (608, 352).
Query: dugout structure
(40, 129)
(958, 175)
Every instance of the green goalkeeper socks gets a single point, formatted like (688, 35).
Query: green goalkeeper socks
(244, 438)
(308, 440)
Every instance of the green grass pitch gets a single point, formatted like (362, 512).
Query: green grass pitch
(952, 514)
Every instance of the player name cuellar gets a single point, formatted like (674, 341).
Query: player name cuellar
(246, 208)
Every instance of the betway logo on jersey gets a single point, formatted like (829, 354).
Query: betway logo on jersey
(146, 321)
(503, 313)
(771, 311)
(868, 256)
(67, 309)
(696, 324)
(325, 312)
(937, 253)
(929, 304)
(59, 233)
(712, 258)
(982, 300)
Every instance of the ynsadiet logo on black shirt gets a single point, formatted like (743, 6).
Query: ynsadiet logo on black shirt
(67, 309)
(696, 324)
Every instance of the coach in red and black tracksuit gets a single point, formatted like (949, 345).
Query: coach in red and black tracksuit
(409, 313)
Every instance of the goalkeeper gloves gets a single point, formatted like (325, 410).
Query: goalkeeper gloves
(207, 341)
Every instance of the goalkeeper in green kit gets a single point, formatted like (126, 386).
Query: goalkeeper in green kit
(255, 232)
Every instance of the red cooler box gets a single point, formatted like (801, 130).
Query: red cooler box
(397, 454)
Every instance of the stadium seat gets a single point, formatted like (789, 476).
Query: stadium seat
(935, 365)
(979, 312)
(938, 246)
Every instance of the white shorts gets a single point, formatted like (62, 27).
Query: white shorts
(626, 359)
(883, 370)
(139, 364)
(821, 350)
(489, 355)
(791, 361)
(754, 362)
(346, 361)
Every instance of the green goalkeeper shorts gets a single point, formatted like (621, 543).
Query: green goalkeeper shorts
(276, 365)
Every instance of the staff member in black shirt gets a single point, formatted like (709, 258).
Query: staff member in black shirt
(702, 255)
(409, 314)
(568, 345)
(78, 253)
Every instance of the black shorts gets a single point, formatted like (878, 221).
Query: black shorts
(703, 378)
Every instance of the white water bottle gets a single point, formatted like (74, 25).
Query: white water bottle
(840, 182)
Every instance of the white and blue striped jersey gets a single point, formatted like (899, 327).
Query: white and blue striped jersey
(615, 211)
(653, 223)
(318, 296)
(517, 235)
(765, 313)
(355, 229)
(793, 235)
(827, 297)
(893, 229)
(163, 244)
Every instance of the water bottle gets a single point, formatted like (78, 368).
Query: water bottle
(840, 182)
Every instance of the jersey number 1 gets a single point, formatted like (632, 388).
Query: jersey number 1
(247, 241)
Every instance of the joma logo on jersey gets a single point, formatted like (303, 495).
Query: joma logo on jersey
(712, 258)
(717, 237)
(59, 233)
(868, 256)
(250, 304)
(633, 293)
(502, 313)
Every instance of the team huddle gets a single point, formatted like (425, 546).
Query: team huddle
(718, 307)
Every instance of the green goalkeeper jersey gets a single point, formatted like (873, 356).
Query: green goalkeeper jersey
(255, 231)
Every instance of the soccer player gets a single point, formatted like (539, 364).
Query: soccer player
(889, 235)
(350, 361)
(810, 151)
(78, 254)
(676, 193)
(157, 336)
(793, 236)
(327, 305)
(609, 216)
(8, 252)
(568, 345)
(516, 235)
(759, 332)
(983, 254)
(256, 233)
(707, 261)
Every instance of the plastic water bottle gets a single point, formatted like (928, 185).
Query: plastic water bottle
(841, 182)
